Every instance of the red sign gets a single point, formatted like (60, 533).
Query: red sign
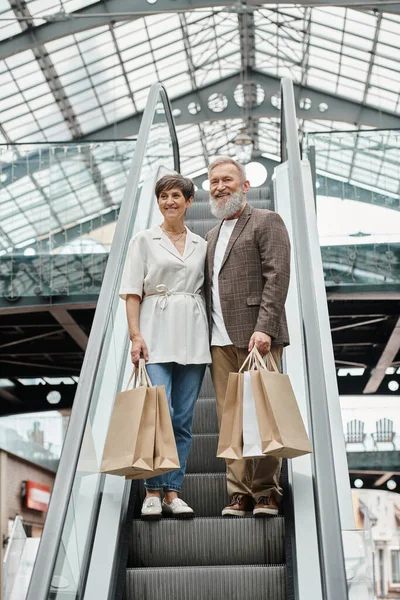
(36, 495)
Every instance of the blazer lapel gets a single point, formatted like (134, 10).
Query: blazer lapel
(211, 245)
(240, 225)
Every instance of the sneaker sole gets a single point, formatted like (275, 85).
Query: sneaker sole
(179, 515)
(235, 513)
(265, 512)
(151, 517)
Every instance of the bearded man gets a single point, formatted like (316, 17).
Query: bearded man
(246, 283)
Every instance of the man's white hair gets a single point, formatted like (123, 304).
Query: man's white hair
(222, 160)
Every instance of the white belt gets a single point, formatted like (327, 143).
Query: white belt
(164, 293)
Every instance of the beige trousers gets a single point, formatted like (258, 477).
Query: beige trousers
(254, 477)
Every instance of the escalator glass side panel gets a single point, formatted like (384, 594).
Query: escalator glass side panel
(80, 504)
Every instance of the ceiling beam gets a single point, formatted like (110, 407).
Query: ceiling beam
(60, 24)
(359, 324)
(339, 109)
(9, 397)
(388, 356)
(70, 325)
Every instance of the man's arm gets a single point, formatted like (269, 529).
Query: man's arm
(274, 246)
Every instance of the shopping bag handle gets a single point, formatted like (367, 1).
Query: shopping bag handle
(271, 358)
(140, 375)
(255, 360)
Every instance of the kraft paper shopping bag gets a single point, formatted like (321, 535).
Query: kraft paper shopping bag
(165, 455)
(279, 419)
(230, 445)
(129, 446)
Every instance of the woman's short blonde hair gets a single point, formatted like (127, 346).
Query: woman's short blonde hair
(222, 160)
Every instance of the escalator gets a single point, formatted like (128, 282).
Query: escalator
(212, 556)
(94, 546)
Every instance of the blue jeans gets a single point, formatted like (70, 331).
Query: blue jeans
(182, 385)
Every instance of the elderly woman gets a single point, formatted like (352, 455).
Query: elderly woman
(162, 285)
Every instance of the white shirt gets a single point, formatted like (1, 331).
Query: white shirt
(220, 336)
(172, 318)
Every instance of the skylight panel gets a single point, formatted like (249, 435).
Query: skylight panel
(382, 98)
(137, 57)
(59, 132)
(69, 65)
(106, 75)
(9, 28)
(22, 234)
(350, 39)
(130, 34)
(92, 120)
(67, 217)
(180, 84)
(36, 91)
(14, 222)
(114, 90)
(385, 183)
(175, 51)
(142, 78)
(84, 101)
(17, 129)
(383, 78)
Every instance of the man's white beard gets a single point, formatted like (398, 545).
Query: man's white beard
(231, 207)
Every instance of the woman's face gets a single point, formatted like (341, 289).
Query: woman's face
(173, 204)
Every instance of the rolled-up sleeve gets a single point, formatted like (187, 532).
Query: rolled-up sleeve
(134, 271)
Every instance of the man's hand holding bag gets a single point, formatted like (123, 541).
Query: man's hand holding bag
(269, 418)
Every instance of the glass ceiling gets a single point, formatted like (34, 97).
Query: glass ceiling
(78, 84)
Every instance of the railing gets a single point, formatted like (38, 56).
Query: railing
(310, 364)
(81, 534)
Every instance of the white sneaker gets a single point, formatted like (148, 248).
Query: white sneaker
(177, 508)
(151, 508)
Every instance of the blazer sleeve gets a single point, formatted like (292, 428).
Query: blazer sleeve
(134, 270)
(274, 246)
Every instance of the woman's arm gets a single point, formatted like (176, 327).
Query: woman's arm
(138, 344)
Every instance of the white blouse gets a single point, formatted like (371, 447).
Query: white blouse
(172, 319)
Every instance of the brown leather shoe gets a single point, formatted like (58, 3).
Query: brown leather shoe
(266, 506)
(240, 506)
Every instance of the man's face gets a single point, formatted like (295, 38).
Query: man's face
(225, 181)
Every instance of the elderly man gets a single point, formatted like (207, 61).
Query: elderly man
(247, 278)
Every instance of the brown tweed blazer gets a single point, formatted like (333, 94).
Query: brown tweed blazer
(254, 277)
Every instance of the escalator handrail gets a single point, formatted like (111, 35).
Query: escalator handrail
(52, 533)
(333, 572)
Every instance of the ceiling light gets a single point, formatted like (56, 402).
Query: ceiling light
(393, 385)
(53, 397)
(243, 147)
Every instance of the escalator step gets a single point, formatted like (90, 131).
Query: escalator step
(204, 492)
(200, 542)
(205, 416)
(212, 583)
(207, 388)
(203, 457)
